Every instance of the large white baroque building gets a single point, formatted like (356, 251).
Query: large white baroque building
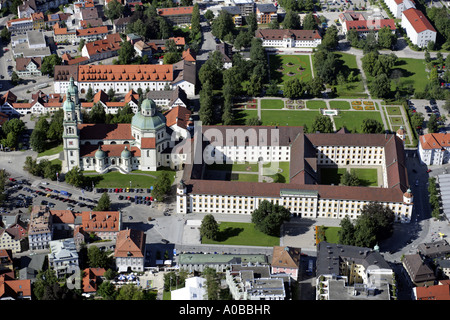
(303, 194)
(123, 78)
(287, 38)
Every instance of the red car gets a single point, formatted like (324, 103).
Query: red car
(429, 170)
(12, 179)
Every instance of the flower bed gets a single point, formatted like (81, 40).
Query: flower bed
(368, 103)
(251, 106)
(357, 107)
(369, 107)
(289, 106)
(356, 103)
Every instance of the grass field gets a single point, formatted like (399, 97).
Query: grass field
(288, 117)
(281, 61)
(244, 234)
(272, 104)
(331, 234)
(51, 151)
(341, 105)
(243, 177)
(367, 177)
(347, 64)
(316, 104)
(411, 72)
(352, 120)
(116, 179)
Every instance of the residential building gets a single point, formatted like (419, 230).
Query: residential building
(11, 289)
(435, 249)
(6, 102)
(32, 6)
(130, 250)
(64, 35)
(226, 52)
(176, 15)
(169, 98)
(63, 220)
(40, 231)
(220, 262)
(235, 13)
(63, 257)
(266, 13)
(364, 23)
(254, 283)
(434, 148)
(245, 6)
(441, 291)
(104, 224)
(6, 261)
(20, 25)
(112, 107)
(349, 271)
(287, 38)
(194, 289)
(189, 55)
(418, 28)
(178, 119)
(120, 24)
(91, 34)
(303, 195)
(442, 266)
(398, 6)
(27, 67)
(62, 76)
(103, 48)
(12, 237)
(286, 260)
(91, 279)
(38, 20)
(419, 272)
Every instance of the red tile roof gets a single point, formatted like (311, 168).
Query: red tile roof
(437, 292)
(90, 279)
(175, 11)
(112, 150)
(62, 216)
(92, 31)
(434, 141)
(148, 143)
(10, 287)
(130, 243)
(100, 221)
(148, 72)
(111, 43)
(418, 20)
(178, 116)
(100, 131)
(366, 25)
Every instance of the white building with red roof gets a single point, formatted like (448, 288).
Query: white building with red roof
(130, 250)
(434, 148)
(398, 6)
(418, 28)
(288, 38)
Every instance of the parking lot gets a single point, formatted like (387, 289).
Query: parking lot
(427, 108)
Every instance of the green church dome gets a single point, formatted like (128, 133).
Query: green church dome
(68, 105)
(148, 118)
(126, 154)
(100, 154)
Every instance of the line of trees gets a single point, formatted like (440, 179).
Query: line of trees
(434, 198)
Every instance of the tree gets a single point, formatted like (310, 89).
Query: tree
(75, 177)
(162, 186)
(81, 45)
(254, 121)
(130, 292)
(5, 35)
(126, 52)
(272, 89)
(107, 290)
(104, 203)
(113, 10)
(252, 22)
(380, 86)
(291, 20)
(212, 283)
(386, 39)
(171, 57)
(49, 63)
(195, 22)
(269, 217)
(15, 79)
(44, 279)
(309, 23)
(209, 227)
(206, 104)
(222, 25)
(315, 87)
(322, 124)
(375, 223)
(97, 114)
(293, 88)
(349, 179)
(347, 231)
(371, 126)
(432, 125)
(38, 140)
(330, 40)
(209, 15)
(97, 258)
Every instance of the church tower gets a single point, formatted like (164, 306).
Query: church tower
(73, 91)
(71, 136)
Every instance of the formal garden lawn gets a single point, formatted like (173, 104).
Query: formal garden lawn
(316, 104)
(352, 120)
(272, 104)
(285, 67)
(244, 234)
(393, 111)
(281, 167)
(339, 104)
(288, 117)
(368, 177)
(332, 234)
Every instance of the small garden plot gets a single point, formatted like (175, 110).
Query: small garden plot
(341, 105)
(272, 104)
(316, 104)
(393, 111)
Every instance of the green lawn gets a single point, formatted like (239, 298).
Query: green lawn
(284, 166)
(272, 104)
(347, 64)
(280, 61)
(341, 105)
(316, 104)
(244, 234)
(241, 115)
(411, 71)
(116, 179)
(352, 120)
(51, 151)
(367, 177)
(393, 111)
(331, 234)
(243, 177)
(288, 117)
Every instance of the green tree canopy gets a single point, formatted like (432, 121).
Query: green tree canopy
(371, 126)
(162, 186)
(104, 203)
(322, 124)
(209, 227)
(269, 217)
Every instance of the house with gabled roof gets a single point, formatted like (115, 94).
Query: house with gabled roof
(11, 289)
(12, 238)
(419, 272)
(440, 291)
(28, 66)
(434, 148)
(286, 260)
(104, 224)
(130, 250)
(418, 28)
(91, 279)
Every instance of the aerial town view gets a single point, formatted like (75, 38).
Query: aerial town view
(224, 150)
